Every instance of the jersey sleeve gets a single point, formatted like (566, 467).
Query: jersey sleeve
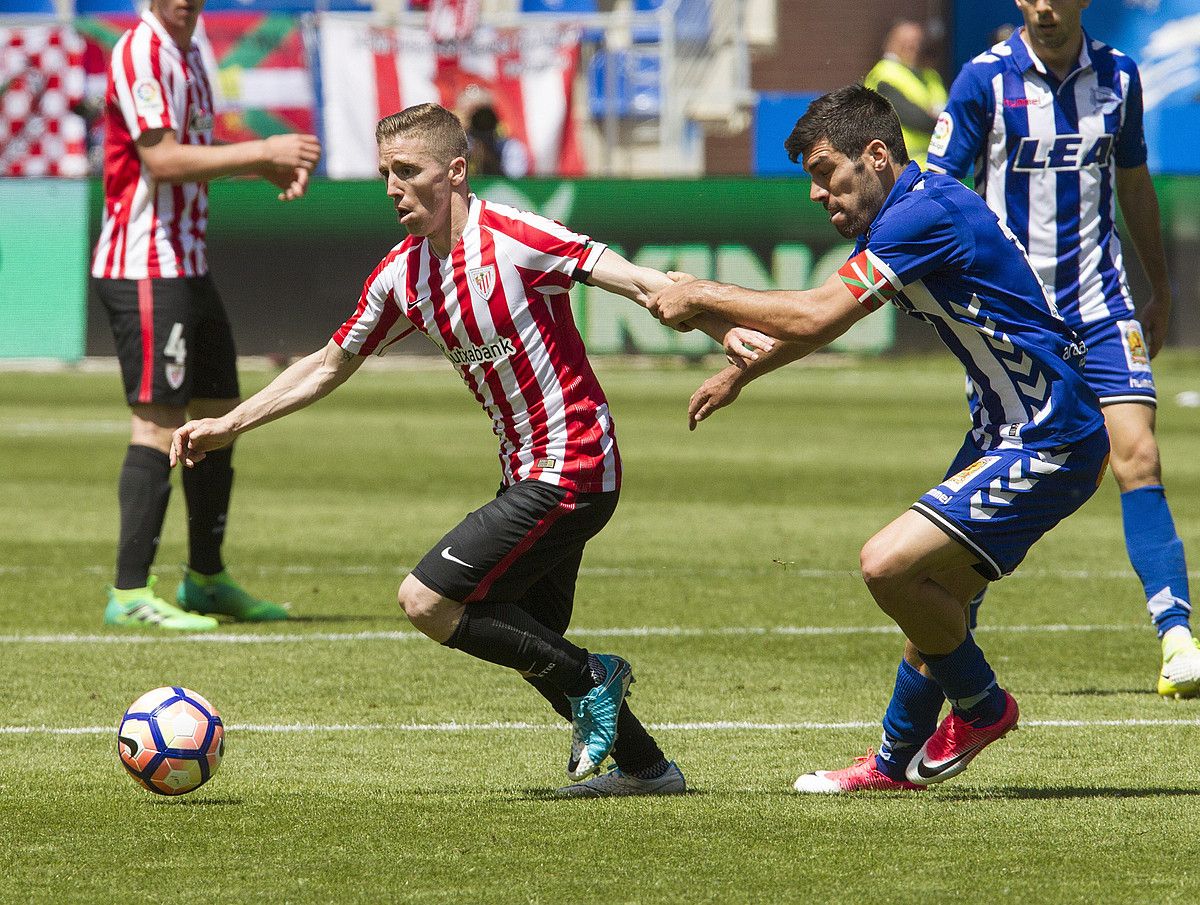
(1131, 140)
(543, 248)
(916, 237)
(144, 92)
(962, 128)
(378, 322)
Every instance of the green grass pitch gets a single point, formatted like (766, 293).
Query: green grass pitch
(727, 577)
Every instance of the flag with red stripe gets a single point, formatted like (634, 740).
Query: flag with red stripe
(370, 72)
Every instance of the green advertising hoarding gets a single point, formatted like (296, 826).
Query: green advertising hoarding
(291, 273)
(43, 268)
(755, 232)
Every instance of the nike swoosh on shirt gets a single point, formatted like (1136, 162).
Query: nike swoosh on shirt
(929, 772)
(446, 554)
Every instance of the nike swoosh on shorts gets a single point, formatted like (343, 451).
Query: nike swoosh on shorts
(446, 554)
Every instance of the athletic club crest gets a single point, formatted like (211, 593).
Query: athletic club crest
(482, 281)
(175, 376)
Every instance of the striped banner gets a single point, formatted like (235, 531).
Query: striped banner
(379, 71)
(256, 65)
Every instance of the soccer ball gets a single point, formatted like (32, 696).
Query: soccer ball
(171, 740)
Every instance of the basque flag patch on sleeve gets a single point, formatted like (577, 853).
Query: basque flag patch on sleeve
(869, 280)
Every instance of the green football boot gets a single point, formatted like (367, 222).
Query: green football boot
(142, 607)
(1180, 676)
(220, 595)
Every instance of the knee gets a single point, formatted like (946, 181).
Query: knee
(429, 612)
(879, 564)
(416, 600)
(885, 574)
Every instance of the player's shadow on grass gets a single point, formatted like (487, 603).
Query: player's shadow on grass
(553, 795)
(1107, 692)
(1052, 793)
(391, 618)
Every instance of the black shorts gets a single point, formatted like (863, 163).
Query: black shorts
(523, 547)
(173, 339)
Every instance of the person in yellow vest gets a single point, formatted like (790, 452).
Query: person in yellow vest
(916, 91)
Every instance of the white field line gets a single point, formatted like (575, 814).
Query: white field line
(718, 726)
(647, 631)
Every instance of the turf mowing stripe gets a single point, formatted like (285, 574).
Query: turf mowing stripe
(719, 726)
(649, 631)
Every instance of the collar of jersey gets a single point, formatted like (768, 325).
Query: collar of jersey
(904, 183)
(159, 29)
(1024, 58)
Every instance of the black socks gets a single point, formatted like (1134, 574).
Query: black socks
(143, 491)
(207, 487)
(636, 752)
(505, 634)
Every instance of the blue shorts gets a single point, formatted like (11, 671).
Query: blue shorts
(997, 503)
(1117, 367)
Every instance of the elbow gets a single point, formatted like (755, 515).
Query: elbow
(160, 169)
(155, 170)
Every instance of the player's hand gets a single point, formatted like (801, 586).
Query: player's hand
(291, 151)
(717, 392)
(675, 303)
(190, 443)
(1155, 317)
(294, 184)
(743, 345)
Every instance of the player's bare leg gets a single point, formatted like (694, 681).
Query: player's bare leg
(920, 577)
(143, 493)
(924, 579)
(1154, 547)
(902, 566)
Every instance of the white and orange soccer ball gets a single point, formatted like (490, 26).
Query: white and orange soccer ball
(171, 740)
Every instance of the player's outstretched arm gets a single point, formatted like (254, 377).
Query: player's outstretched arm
(302, 384)
(615, 274)
(1139, 206)
(283, 160)
(638, 284)
(810, 318)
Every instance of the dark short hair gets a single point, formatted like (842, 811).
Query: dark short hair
(441, 130)
(849, 118)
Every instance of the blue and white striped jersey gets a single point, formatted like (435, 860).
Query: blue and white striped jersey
(1044, 152)
(938, 253)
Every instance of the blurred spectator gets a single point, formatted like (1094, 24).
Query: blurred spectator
(489, 151)
(915, 90)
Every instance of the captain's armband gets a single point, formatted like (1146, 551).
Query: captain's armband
(869, 280)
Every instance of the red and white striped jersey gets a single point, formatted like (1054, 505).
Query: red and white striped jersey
(152, 229)
(499, 310)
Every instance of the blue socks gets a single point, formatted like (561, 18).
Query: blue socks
(968, 682)
(912, 716)
(1157, 556)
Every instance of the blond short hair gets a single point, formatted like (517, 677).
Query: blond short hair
(441, 130)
